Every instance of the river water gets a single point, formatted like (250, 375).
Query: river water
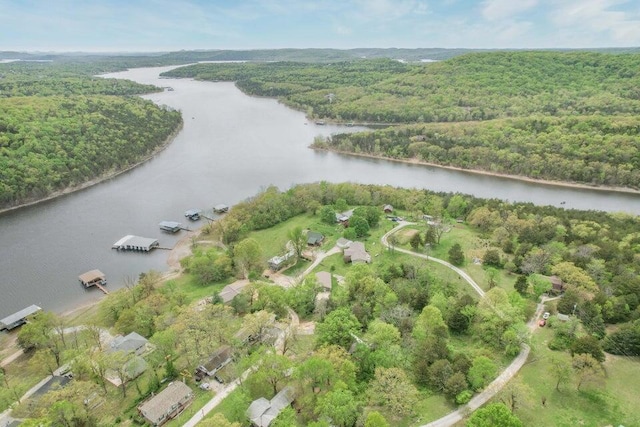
(231, 147)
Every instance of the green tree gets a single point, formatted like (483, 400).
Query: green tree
(375, 419)
(339, 405)
(218, 420)
(588, 344)
(391, 388)
(492, 258)
(338, 328)
(360, 225)
(561, 371)
(298, 240)
(456, 256)
(521, 285)
(247, 256)
(416, 241)
(456, 384)
(492, 415)
(482, 372)
(327, 215)
(587, 369)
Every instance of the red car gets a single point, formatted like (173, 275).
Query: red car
(542, 322)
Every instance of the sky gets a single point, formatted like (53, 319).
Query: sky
(164, 25)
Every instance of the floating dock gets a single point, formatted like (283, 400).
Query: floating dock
(19, 318)
(171, 226)
(220, 208)
(136, 243)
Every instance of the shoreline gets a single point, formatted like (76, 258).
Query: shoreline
(105, 177)
(565, 184)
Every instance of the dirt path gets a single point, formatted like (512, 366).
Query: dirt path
(505, 376)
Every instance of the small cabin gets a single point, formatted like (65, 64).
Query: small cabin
(192, 214)
(92, 278)
(220, 208)
(387, 209)
(170, 226)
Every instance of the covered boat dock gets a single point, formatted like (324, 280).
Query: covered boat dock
(19, 318)
(192, 214)
(93, 278)
(170, 226)
(220, 208)
(136, 243)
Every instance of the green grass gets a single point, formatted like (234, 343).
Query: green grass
(614, 403)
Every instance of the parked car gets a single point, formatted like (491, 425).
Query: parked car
(542, 322)
(205, 386)
(546, 315)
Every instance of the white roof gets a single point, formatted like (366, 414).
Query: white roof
(15, 317)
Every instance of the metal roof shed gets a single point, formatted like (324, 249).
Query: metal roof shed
(17, 319)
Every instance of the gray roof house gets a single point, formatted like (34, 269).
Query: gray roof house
(229, 292)
(324, 278)
(167, 404)
(132, 343)
(314, 238)
(262, 412)
(218, 360)
(356, 254)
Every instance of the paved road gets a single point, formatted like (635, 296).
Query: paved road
(506, 375)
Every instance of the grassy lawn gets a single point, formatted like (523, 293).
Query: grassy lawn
(613, 403)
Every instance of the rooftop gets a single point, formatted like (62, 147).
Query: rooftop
(17, 317)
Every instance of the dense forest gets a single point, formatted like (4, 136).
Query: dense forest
(60, 128)
(559, 111)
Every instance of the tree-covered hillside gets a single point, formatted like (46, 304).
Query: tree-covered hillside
(60, 127)
(567, 116)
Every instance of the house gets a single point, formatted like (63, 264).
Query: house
(167, 404)
(314, 238)
(356, 254)
(218, 360)
(387, 209)
(563, 317)
(343, 217)
(324, 278)
(262, 412)
(229, 292)
(132, 343)
(133, 368)
(557, 286)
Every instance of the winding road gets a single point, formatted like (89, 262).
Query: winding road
(492, 389)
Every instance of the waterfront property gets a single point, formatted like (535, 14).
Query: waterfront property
(19, 318)
(220, 208)
(192, 214)
(132, 343)
(136, 243)
(167, 404)
(170, 226)
(93, 278)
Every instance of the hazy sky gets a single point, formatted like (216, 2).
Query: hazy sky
(160, 25)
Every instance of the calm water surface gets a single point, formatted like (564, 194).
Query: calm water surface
(231, 146)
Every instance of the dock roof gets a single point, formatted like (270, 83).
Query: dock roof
(170, 224)
(92, 275)
(17, 317)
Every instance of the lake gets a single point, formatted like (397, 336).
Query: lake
(231, 147)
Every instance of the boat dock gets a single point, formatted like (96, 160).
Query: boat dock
(192, 214)
(19, 318)
(94, 278)
(171, 226)
(220, 208)
(136, 243)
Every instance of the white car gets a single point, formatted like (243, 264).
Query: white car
(205, 386)
(546, 315)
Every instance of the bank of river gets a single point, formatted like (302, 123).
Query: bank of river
(231, 147)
